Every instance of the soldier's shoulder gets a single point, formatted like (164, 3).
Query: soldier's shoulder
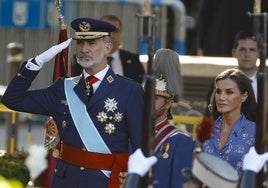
(127, 80)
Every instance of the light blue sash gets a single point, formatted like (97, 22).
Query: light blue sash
(83, 123)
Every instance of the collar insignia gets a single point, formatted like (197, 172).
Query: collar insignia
(110, 79)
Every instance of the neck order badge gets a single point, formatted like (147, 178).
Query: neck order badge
(90, 80)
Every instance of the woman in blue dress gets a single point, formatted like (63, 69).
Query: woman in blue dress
(234, 129)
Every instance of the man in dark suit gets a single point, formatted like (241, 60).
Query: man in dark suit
(98, 124)
(124, 62)
(245, 50)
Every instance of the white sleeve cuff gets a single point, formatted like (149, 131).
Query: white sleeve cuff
(32, 66)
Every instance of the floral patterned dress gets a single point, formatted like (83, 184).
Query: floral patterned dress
(241, 138)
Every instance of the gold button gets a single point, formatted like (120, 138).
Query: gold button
(84, 149)
(82, 168)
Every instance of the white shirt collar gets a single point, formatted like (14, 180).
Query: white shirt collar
(116, 63)
(100, 75)
(254, 85)
(254, 77)
(115, 55)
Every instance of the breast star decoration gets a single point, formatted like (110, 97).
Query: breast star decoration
(110, 107)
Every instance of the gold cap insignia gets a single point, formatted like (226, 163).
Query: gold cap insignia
(84, 26)
(89, 28)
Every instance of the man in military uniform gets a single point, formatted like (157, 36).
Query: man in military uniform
(173, 148)
(121, 61)
(98, 113)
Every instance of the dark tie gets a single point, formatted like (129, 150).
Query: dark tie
(90, 80)
(109, 60)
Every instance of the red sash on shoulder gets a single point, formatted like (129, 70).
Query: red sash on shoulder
(163, 131)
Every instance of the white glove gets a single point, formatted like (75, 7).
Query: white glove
(46, 56)
(139, 164)
(253, 161)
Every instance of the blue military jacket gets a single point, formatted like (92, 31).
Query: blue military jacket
(127, 103)
(174, 154)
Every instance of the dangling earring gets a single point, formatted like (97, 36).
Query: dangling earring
(210, 107)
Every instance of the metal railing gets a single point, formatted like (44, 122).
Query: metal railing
(191, 122)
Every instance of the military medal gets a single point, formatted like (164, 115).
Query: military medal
(109, 128)
(110, 107)
(89, 89)
(165, 155)
(166, 148)
(163, 151)
(118, 117)
(102, 117)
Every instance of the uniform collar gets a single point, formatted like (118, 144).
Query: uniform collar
(161, 124)
(100, 75)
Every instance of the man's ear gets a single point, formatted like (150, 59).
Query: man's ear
(108, 48)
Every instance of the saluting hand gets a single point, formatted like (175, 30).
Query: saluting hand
(46, 56)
